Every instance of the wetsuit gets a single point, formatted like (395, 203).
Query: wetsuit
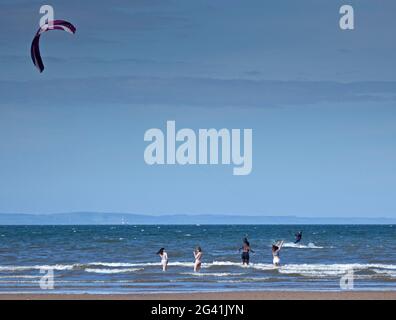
(298, 237)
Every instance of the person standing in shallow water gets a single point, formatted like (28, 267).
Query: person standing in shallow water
(276, 247)
(164, 258)
(198, 259)
(245, 251)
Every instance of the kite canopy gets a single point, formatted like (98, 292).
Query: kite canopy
(51, 25)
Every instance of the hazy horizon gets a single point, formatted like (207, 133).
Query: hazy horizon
(198, 214)
(98, 218)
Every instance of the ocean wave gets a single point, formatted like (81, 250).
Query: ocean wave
(259, 266)
(310, 245)
(391, 273)
(2, 282)
(37, 267)
(108, 271)
(140, 264)
(117, 264)
(20, 277)
(244, 280)
(309, 270)
(336, 270)
(211, 274)
(315, 270)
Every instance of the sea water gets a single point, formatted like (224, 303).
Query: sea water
(122, 258)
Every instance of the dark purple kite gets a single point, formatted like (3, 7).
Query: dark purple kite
(54, 25)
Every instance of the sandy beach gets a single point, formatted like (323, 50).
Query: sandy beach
(263, 295)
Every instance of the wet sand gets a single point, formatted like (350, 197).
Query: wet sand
(259, 295)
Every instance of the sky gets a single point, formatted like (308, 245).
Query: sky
(321, 102)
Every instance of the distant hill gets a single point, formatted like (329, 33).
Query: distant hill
(95, 218)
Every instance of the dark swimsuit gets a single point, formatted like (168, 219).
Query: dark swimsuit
(245, 256)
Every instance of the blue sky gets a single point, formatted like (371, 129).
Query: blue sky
(320, 101)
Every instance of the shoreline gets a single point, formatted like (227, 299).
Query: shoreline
(253, 295)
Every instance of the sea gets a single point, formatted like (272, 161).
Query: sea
(120, 259)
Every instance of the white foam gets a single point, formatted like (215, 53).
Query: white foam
(37, 267)
(259, 279)
(18, 281)
(146, 264)
(211, 274)
(114, 264)
(390, 273)
(226, 263)
(107, 271)
(310, 245)
(325, 270)
(309, 270)
(259, 266)
(19, 277)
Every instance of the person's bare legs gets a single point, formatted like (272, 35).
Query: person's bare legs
(197, 266)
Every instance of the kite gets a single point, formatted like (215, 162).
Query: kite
(52, 25)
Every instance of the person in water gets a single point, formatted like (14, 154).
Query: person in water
(245, 251)
(275, 252)
(164, 258)
(198, 259)
(298, 236)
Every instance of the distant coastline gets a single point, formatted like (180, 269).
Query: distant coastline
(97, 218)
